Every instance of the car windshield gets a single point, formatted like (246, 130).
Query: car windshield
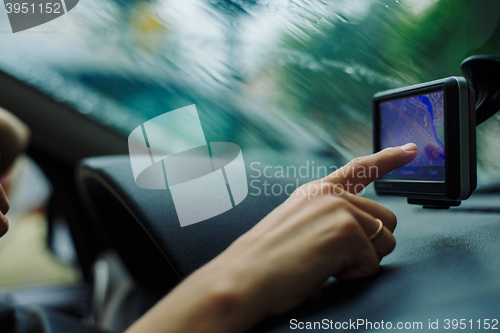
(278, 75)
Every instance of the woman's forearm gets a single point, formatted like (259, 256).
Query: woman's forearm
(210, 300)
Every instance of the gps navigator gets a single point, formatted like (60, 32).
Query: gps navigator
(439, 117)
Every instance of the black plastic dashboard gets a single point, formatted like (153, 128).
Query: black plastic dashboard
(446, 264)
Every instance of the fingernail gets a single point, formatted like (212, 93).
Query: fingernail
(411, 147)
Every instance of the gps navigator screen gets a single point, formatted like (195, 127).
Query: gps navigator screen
(417, 119)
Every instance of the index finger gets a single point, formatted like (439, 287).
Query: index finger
(358, 173)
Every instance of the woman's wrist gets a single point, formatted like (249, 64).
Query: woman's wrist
(212, 299)
(237, 303)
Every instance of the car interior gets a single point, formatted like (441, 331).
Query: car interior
(291, 82)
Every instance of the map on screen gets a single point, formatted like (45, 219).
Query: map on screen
(417, 119)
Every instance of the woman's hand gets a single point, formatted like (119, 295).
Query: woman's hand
(4, 208)
(322, 230)
(14, 138)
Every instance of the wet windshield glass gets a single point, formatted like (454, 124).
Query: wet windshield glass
(279, 75)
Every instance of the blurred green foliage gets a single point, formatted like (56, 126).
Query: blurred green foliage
(335, 64)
